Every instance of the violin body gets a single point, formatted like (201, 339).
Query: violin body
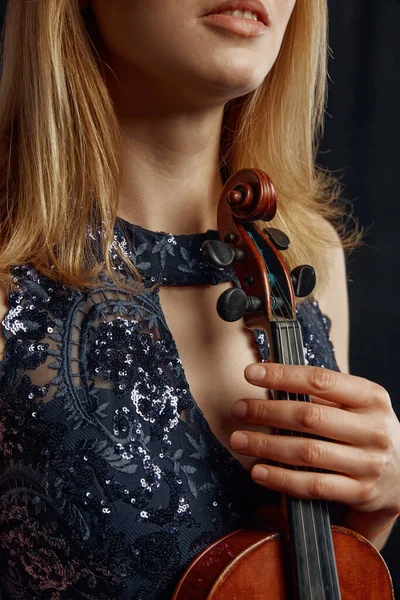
(309, 559)
(256, 565)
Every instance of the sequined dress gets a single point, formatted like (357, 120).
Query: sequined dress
(106, 493)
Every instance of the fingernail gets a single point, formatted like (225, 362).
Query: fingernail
(239, 440)
(260, 473)
(239, 409)
(255, 372)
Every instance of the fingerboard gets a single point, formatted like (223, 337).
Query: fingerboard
(308, 520)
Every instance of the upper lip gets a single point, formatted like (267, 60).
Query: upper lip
(254, 6)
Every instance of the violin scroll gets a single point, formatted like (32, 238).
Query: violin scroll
(251, 196)
(248, 195)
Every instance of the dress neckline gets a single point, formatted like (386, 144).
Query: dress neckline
(152, 233)
(167, 258)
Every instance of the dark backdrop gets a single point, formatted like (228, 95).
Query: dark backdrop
(362, 143)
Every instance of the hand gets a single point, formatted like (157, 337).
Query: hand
(362, 449)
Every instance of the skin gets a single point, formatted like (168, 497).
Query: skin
(169, 98)
(363, 453)
(170, 75)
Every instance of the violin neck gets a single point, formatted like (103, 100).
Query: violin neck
(308, 520)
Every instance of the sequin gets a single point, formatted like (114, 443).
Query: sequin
(106, 491)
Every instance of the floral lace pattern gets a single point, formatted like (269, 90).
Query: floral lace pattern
(106, 492)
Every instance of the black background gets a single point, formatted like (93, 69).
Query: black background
(361, 144)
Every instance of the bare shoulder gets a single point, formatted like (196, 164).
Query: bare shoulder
(3, 311)
(333, 298)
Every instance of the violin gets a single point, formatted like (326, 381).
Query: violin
(308, 558)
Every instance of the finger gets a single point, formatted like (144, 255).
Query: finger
(341, 388)
(319, 400)
(307, 417)
(313, 486)
(303, 452)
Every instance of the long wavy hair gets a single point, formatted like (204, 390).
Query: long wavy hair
(60, 144)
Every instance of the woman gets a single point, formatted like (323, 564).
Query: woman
(120, 121)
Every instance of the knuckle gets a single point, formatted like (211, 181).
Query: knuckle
(276, 374)
(380, 396)
(321, 379)
(378, 464)
(367, 492)
(309, 415)
(285, 480)
(262, 446)
(311, 453)
(381, 438)
(259, 411)
(319, 487)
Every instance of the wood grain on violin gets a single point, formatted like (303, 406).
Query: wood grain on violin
(307, 558)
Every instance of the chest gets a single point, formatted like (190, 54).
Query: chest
(214, 354)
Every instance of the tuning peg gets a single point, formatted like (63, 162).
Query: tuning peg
(279, 239)
(234, 303)
(304, 280)
(220, 255)
(231, 237)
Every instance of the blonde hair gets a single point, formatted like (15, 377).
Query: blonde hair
(60, 144)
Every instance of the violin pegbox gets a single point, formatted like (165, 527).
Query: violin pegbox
(234, 303)
(267, 288)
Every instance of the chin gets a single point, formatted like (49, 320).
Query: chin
(239, 86)
(240, 79)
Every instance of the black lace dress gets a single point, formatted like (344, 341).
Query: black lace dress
(106, 493)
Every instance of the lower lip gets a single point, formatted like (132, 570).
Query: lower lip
(244, 27)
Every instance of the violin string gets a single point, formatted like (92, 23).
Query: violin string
(300, 502)
(314, 503)
(299, 351)
(311, 504)
(321, 506)
(285, 301)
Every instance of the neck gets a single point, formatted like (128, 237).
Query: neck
(170, 157)
(168, 184)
